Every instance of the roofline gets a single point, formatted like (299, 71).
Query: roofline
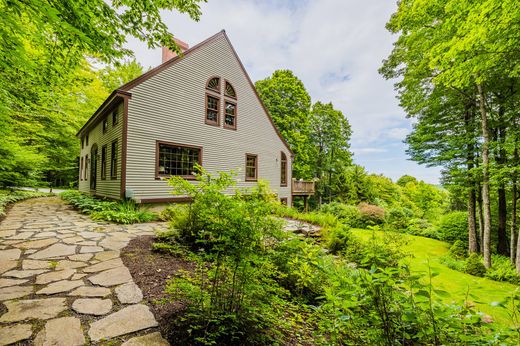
(123, 90)
(116, 93)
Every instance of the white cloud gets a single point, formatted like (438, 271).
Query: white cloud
(334, 46)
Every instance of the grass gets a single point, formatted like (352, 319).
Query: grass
(483, 292)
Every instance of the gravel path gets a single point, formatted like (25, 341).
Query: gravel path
(62, 281)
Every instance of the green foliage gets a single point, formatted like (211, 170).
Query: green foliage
(348, 214)
(474, 265)
(458, 250)
(11, 196)
(123, 212)
(454, 226)
(398, 218)
(503, 270)
(453, 263)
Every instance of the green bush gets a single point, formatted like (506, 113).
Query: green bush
(398, 218)
(422, 227)
(123, 212)
(452, 263)
(454, 226)
(371, 215)
(502, 270)
(347, 214)
(458, 250)
(474, 265)
(11, 196)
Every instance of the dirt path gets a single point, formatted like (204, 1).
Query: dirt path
(62, 281)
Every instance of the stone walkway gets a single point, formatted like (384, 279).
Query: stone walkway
(62, 281)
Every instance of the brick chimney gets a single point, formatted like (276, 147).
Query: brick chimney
(168, 54)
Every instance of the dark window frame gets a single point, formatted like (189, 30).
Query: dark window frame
(86, 140)
(158, 175)
(218, 84)
(81, 168)
(226, 83)
(255, 178)
(234, 126)
(85, 171)
(283, 170)
(104, 124)
(284, 200)
(104, 151)
(113, 160)
(115, 118)
(206, 120)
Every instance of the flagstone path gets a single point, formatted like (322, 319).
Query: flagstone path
(62, 281)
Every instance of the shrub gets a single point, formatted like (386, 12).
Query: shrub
(454, 226)
(347, 214)
(422, 227)
(474, 265)
(502, 270)
(371, 215)
(398, 218)
(123, 212)
(458, 250)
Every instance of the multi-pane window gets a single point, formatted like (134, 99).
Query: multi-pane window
(212, 110)
(251, 167)
(82, 142)
(230, 91)
(114, 118)
(104, 162)
(230, 120)
(283, 170)
(105, 125)
(113, 160)
(214, 84)
(177, 160)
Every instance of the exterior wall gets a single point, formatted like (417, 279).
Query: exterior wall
(108, 187)
(170, 106)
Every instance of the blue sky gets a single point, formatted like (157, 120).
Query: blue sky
(334, 46)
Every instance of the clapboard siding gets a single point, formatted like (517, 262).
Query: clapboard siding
(170, 106)
(109, 187)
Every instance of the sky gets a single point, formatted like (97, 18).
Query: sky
(334, 46)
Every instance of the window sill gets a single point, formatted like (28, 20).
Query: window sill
(283, 185)
(166, 177)
(216, 124)
(251, 180)
(234, 128)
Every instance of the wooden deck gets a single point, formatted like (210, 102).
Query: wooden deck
(302, 188)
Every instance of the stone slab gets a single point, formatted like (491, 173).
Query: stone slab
(111, 277)
(129, 293)
(152, 339)
(42, 309)
(14, 292)
(15, 333)
(60, 286)
(56, 250)
(92, 306)
(64, 331)
(90, 291)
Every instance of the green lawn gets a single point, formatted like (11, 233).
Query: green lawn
(426, 250)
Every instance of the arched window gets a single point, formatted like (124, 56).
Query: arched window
(214, 84)
(283, 170)
(230, 91)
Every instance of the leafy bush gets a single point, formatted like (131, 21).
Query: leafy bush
(502, 270)
(474, 265)
(371, 215)
(347, 214)
(458, 250)
(423, 228)
(123, 212)
(454, 226)
(11, 196)
(398, 218)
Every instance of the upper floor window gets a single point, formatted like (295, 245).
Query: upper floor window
(115, 118)
(81, 169)
(212, 110)
(104, 162)
(251, 167)
(105, 125)
(82, 142)
(176, 159)
(283, 170)
(230, 91)
(230, 120)
(214, 84)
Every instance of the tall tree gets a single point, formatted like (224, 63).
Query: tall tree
(289, 104)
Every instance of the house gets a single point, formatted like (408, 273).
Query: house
(199, 108)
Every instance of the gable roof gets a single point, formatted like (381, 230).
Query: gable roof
(124, 89)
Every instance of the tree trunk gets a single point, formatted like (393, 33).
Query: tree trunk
(501, 160)
(472, 197)
(480, 219)
(512, 243)
(472, 218)
(485, 180)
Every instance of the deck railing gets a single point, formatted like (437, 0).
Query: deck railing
(302, 188)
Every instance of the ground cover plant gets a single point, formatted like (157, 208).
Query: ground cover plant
(123, 212)
(255, 285)
(11, 196)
